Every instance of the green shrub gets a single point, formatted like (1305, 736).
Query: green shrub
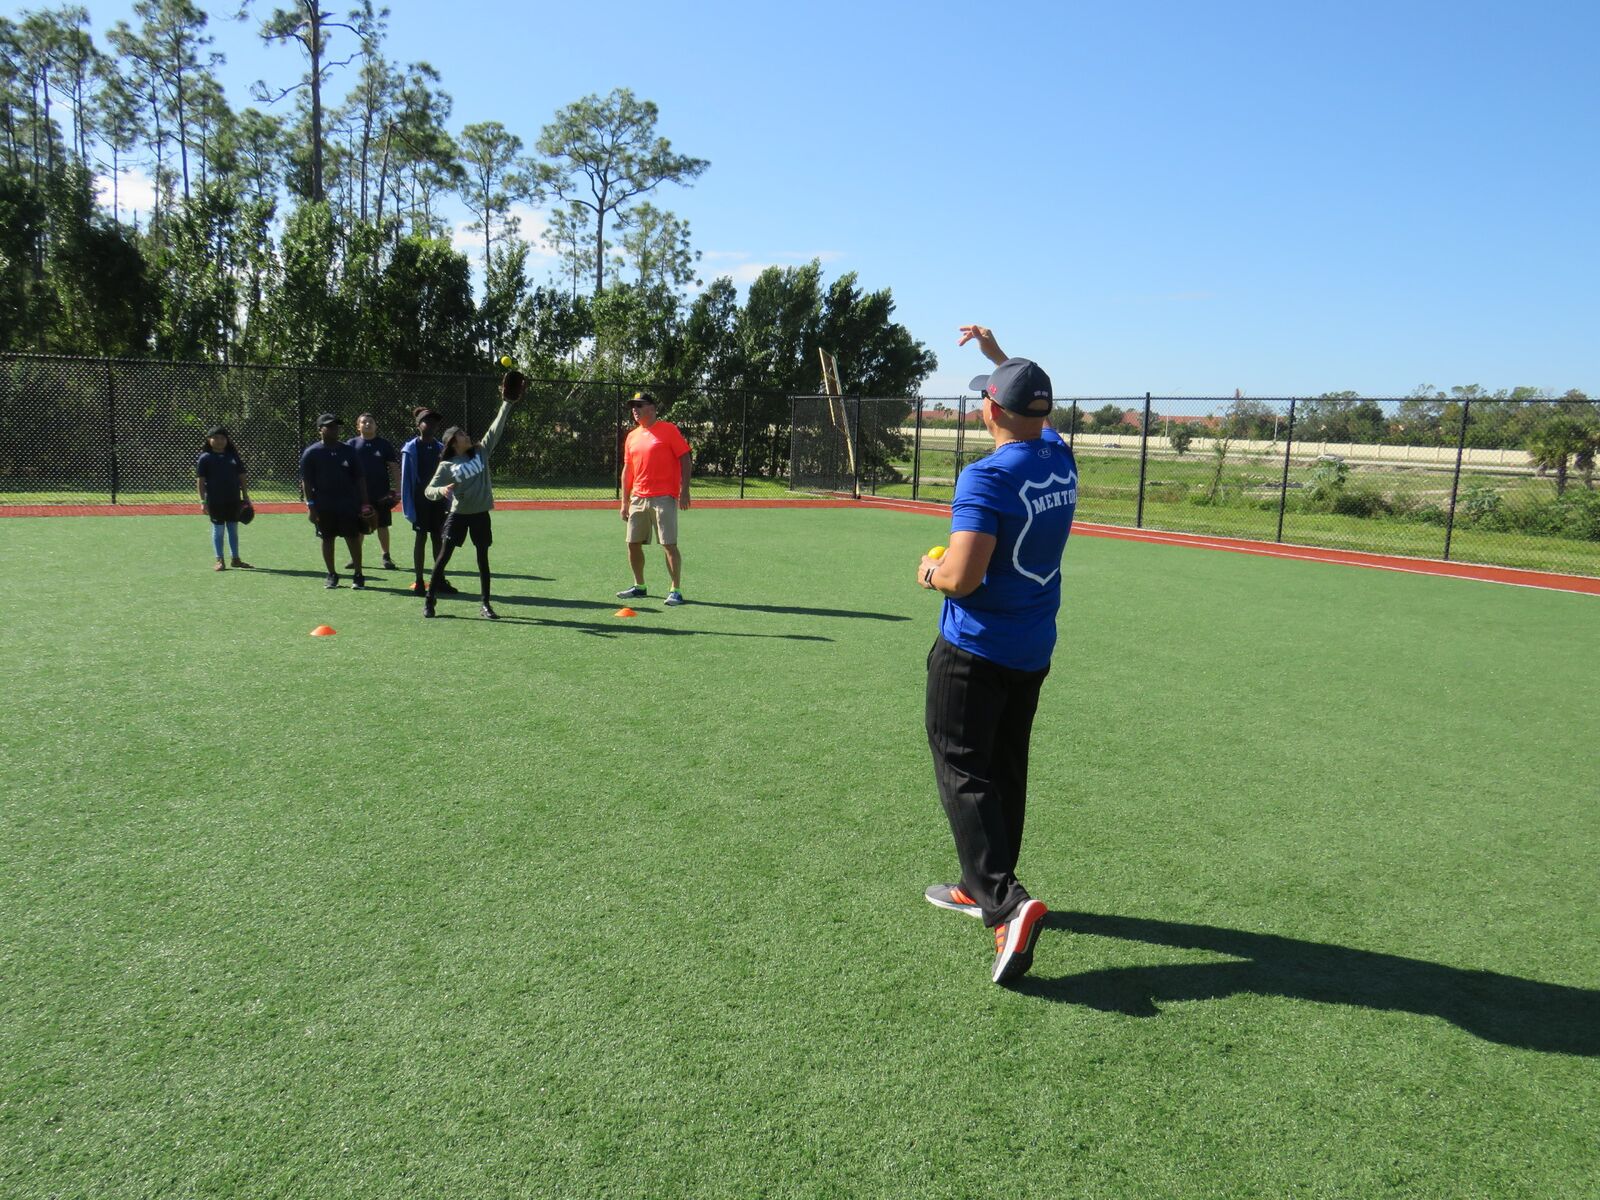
(1478, 505)
(1327, 481)
(1360, 502)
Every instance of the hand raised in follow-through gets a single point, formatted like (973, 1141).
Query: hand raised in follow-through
(984, 336)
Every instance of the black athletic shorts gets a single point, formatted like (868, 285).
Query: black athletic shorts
(430, 515)
(223, 511)
(338, 525)
(458, 525)
(382, 518)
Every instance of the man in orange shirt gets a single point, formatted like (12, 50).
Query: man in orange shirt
(655, 485)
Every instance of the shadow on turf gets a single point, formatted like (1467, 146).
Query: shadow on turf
(1498, 1008)
(804, 612)
(630, 628)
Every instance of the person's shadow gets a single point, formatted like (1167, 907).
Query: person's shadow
(1499, 1008)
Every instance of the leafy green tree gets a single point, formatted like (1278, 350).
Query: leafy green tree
(505, 296)
(555, 324)
(656, 244)
(307, 322)
(1181, 436)
(425, 317)
(25, 300)
(1250, 419)
(777, 329)
(605, 153)
(103, 297)
(636, 333)
(1109, 417)
(1068, 419)
(714, 352)
(1340, 417)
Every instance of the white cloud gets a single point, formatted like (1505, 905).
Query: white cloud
(743, 267)
(135, 193)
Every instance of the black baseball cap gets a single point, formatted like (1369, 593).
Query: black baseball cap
(424, 413)
(643, 398)
(1017, 385)
(328, 419)
(217, 431)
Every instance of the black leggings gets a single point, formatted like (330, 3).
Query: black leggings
(419, 546)
(443, 561)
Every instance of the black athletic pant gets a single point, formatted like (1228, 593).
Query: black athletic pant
(443, 561)
(979, 718)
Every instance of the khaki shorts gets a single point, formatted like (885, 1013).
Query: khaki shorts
(658, 513)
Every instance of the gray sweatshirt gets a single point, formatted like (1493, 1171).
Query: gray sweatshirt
(470, 473)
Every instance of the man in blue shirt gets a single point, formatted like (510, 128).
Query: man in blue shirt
(1001, 579)
(381, 466)
(336, 496)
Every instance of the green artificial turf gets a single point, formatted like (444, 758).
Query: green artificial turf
(576, 905)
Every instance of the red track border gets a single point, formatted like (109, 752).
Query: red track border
(1543, 580)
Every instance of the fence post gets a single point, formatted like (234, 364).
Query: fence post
(961, 441)
(299, 410)
(794, 417)
(1455, 481)
(1283, 486)
(1072, 426)
(855, 437)
(111, 424)
(617, 436)
(744, 438)
(916, 452)
(1144, 443)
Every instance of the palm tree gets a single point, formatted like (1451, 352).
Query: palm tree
(1554, 443)
(1583, 460)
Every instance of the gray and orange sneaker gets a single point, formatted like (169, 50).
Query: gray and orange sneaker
(950, 895)
(1013, 941)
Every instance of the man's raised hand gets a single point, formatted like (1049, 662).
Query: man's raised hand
(984, 336)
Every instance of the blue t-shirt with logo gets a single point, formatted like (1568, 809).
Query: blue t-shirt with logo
(1024, 495)
(332, 477)
(223, 474)
(375, 455)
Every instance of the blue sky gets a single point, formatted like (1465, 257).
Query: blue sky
(1182, 198)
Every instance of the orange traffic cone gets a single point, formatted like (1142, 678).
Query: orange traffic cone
(324, 631)
(626, 612)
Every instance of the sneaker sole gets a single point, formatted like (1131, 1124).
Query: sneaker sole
(971, 910)
(1014, 961)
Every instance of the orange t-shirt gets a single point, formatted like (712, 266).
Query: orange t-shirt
(652, 455)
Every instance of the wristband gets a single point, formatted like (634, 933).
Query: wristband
(927, 576)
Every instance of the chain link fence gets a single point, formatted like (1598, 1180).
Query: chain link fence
(90, 431)
(1475, 479)
(1485, 480)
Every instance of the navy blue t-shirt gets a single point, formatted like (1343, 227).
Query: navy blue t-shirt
(1024, 495)
(332, 477)
(222, 473)
(375, 455)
